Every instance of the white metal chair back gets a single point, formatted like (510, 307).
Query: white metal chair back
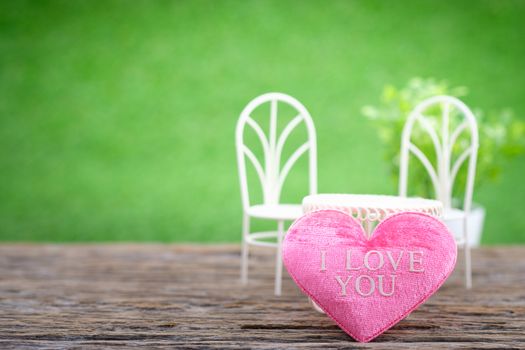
(444, 140)
(271, 175)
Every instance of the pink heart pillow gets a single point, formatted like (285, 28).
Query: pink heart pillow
(368, 285)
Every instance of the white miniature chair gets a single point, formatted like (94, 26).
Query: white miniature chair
(271, 175)
(447, 168)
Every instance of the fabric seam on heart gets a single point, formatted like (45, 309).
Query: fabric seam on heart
(400, 317)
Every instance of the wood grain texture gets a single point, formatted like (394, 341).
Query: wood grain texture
(175, 296)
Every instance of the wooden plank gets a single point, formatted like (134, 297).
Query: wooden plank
(173, 296)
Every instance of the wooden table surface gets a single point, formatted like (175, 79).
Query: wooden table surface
(175, 296)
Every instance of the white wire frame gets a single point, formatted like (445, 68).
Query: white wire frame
(271, 175)
(444, 176)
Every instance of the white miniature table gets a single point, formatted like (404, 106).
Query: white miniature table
(370, 209)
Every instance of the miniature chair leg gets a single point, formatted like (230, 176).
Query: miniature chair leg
(279, 258)
(468, 266)
(245, 247)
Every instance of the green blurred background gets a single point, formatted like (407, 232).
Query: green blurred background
(118, 117)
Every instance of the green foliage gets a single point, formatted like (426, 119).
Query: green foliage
(501, 135)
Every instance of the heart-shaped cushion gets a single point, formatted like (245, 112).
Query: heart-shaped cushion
(368, 285)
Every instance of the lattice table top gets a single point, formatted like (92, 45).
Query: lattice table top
(369, 207)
